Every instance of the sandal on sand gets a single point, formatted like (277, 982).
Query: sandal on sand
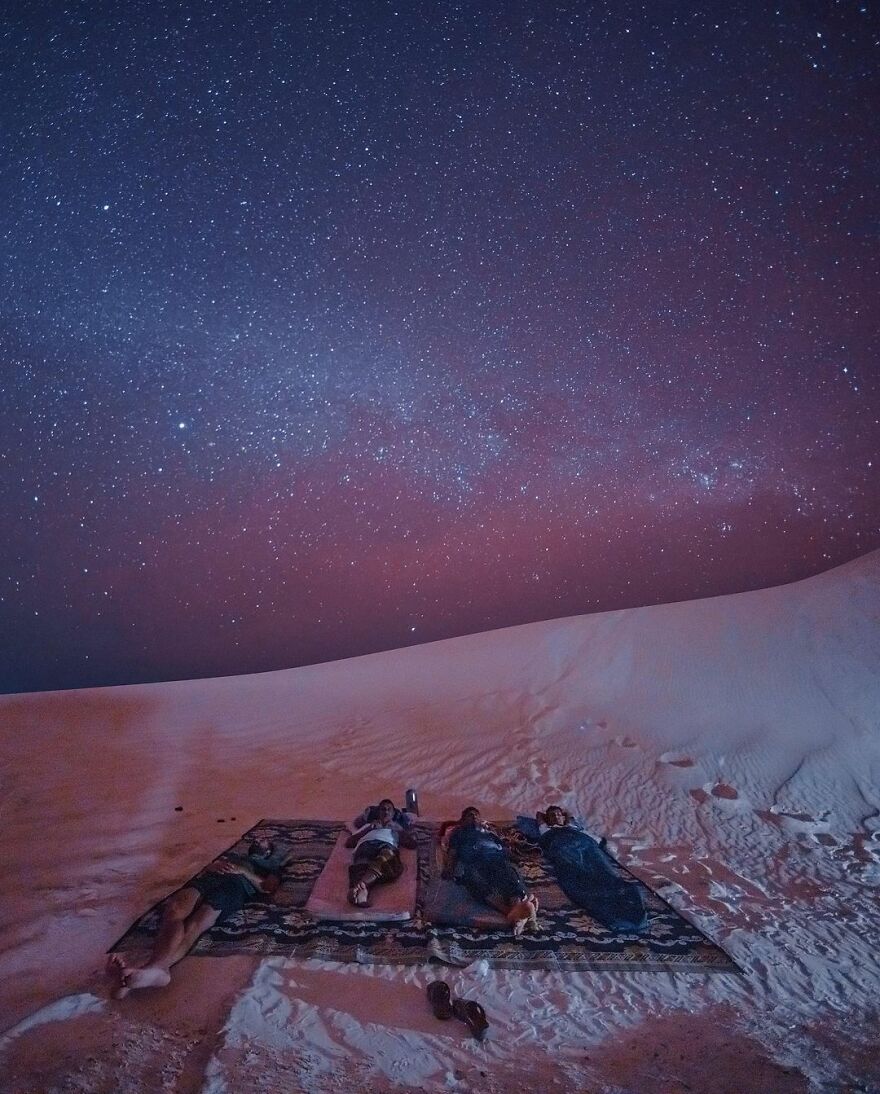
(473, 1015)
(440, 998)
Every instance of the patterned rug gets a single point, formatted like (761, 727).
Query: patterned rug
(569, 939)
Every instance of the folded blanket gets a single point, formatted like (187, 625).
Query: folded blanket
(392, 902)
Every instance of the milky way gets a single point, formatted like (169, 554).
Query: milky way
(327, 328)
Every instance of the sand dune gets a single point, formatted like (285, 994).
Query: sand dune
(728, 748)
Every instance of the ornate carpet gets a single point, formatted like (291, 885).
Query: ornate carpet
(568, 939)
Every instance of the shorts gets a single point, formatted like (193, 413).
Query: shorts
(226, 893)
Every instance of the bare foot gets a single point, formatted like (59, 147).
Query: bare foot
(532, 902)
(116, 970)
(359, 895)
(519, 916)
(150, 976)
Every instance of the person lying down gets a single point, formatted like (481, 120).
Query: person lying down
(477, 858)
(218, 892)
(376, 858)
(586, 875)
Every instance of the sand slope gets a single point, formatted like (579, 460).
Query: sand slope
(729, 749)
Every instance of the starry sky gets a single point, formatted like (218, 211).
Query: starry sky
(330, 327)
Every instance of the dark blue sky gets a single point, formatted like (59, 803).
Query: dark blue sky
(333, 327)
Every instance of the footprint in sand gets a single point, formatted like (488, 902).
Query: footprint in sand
(674, 759)
(801, 825)
(536, 770)
(721, 791)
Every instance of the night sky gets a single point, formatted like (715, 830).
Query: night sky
(331, 327)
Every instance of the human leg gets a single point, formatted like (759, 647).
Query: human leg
(171, 929)
(188, 913)
(360, 876)
(374, 862)
(385, 865)
(503, 888)
(157, 972)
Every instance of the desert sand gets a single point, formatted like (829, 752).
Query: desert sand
(728, 748)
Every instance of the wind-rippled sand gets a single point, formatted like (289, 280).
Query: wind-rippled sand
(728, 748)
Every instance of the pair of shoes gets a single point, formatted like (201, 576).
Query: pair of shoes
(469, 1012)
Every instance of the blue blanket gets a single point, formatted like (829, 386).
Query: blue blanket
(591, 879)
(589, 876)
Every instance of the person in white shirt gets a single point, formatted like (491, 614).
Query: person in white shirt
(376, 858)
